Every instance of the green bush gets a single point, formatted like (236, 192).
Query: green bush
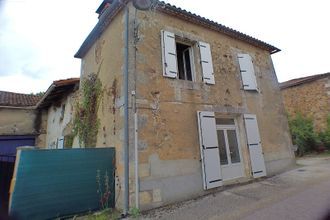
(303, 134)
(325, 135)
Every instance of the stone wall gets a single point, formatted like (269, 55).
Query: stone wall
(105, 59)
(311, 99)
(60, 119)
(17, 121)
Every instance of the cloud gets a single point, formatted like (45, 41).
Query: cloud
(38, 40)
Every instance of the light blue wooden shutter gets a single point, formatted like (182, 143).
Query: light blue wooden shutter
(209, 150)
(206, 62)
(60, 142)
(170, 68)
(255, 148)
(247, 72)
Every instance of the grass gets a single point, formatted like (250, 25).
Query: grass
(326, 153)
(107, 214)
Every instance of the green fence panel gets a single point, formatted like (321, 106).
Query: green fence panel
(54, 183)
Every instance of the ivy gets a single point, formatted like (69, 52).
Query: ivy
(86, 123)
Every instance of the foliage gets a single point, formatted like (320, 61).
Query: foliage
(38, 93)
(86, 123)
(68, 141)
(134, 212)
(108, 214)
(303, 134)
(103, 190)
(324, 136)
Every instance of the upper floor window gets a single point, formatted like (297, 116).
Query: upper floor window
(178, 59)
(184, 59)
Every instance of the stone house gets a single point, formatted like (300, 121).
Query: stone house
(57, 107)
(18, 121)
(38, 120)
(18, 127)
(206, 97)
(309, 96)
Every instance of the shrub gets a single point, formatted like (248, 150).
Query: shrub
(325, 135)
(303, 134)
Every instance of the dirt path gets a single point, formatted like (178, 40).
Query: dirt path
(302, 193)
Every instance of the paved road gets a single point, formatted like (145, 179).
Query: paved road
(302, 193)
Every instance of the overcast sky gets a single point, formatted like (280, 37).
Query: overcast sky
(38, 38)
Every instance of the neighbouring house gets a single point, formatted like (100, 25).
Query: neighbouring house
(309, 96)
(207, 100)
(43, 121)
(58, 106)
(18, 125)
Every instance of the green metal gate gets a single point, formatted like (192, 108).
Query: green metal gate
(54, 183)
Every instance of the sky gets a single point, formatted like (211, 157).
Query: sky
(38, 38)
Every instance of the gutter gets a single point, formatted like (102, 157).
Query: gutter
(17, 107)
(116, 7)
(126, 117)
(49, 90)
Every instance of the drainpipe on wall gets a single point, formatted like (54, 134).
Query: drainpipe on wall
(136, 162)
(125, 150)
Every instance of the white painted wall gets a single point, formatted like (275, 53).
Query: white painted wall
(57, 122)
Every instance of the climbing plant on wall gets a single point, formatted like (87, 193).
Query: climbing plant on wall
(86, 123)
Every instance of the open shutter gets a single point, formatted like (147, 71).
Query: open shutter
(254, 143)
(60, 142)
(247, 72)
(206, 62)
(170, 68)
(209, 150)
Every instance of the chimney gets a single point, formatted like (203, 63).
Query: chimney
(103, 7)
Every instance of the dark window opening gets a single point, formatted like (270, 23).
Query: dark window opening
(184, 61)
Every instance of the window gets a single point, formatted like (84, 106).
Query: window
(184, 61)
(178, 59)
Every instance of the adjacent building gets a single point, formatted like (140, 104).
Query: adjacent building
(309, 96)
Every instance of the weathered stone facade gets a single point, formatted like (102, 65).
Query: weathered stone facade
(311, 98)
(170, 168)
(17, 121)
(59, 123)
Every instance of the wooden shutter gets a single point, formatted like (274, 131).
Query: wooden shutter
(206, 62)
(209, 150)
(247, 72)
(170, 68)
(254, 144)
(60, 142)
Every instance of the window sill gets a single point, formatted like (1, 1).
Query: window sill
(185, 84)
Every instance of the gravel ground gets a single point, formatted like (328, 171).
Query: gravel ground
(302, 193)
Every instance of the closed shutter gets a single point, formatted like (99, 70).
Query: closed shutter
(209, 150)
(60, 142)
(206, 62)
(247, 72)
(170, 68)
(254, 143)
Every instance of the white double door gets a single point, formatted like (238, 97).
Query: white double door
(230, 153)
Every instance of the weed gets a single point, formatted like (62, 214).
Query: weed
(134, 212)
(103, 189)
(86, 122)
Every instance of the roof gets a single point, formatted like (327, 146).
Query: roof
(11, 99)
(116, 6)
(101, 7)
(303, 80)
(57, 90)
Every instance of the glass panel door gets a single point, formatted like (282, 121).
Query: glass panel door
(222, 147)
(233, 146)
